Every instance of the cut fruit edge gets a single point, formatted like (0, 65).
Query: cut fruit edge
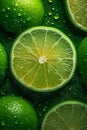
(74, 59)
(55, 107)
(71, 17)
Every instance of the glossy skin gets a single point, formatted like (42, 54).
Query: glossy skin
(18, 15)
(17, 114)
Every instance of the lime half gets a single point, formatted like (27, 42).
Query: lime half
(43, 59)
(69, 115)
(77, 11)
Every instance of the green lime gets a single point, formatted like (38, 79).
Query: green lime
(82, 59)
(17, 114)
(3, 63)
(43, 59)
(18, 15)
(69, 115)
(77, 12)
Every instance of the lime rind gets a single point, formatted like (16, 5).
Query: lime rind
(45, 89)
(57, 106)
(71, 17)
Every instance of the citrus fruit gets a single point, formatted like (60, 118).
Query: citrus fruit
(3, 63)
(69, 115)
(82, 59)
(43, 59)
(18, 15)
(17, 114)
(77, 12)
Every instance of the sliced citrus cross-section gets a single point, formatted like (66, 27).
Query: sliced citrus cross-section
(43, 59)
(69, 115)
(77, 11)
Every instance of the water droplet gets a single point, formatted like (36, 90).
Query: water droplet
(56, 16)
(14, 9)
(3, 10)
(3, 123)
(16, 4)
(40, 114)
(53, 8)
(6, 106)
(19, 14)
(28, 19)
(15, 116)
(24, 21)
(50, 1)
(6, 16)
(8, 8)
(50, 13)
(70, 89)
(20, 10)
(52, 23)
(16, 122)
(21, 123)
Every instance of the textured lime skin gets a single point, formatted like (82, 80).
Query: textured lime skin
(17, 114)
(82, 59)
(3, 63)
(18, 15)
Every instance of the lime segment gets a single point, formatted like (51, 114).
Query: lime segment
(69, 115)
(43, 59)
(77, 11)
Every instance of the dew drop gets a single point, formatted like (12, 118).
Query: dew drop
(20, 10)
(8, 8)
(15, 116)
(3, 10)
(50, 1)
(52, 23)
(40, 114)
(3, 123)
(24, 21)
(56, 16)
(50, 13)
(16, 122)
(6, 16)
(5, 106)
(16, 4)
(70, 89)
(53, 8)
(14, 9)
(19, 14)
(28, 19)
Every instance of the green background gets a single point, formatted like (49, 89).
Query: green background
(55, 16)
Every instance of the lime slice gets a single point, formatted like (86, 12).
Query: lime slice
(43, 59)
(69, 115)
(77, 11)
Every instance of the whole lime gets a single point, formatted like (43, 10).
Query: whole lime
(82, 59)
(17, 114)
(18, 15)
(3, 63)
